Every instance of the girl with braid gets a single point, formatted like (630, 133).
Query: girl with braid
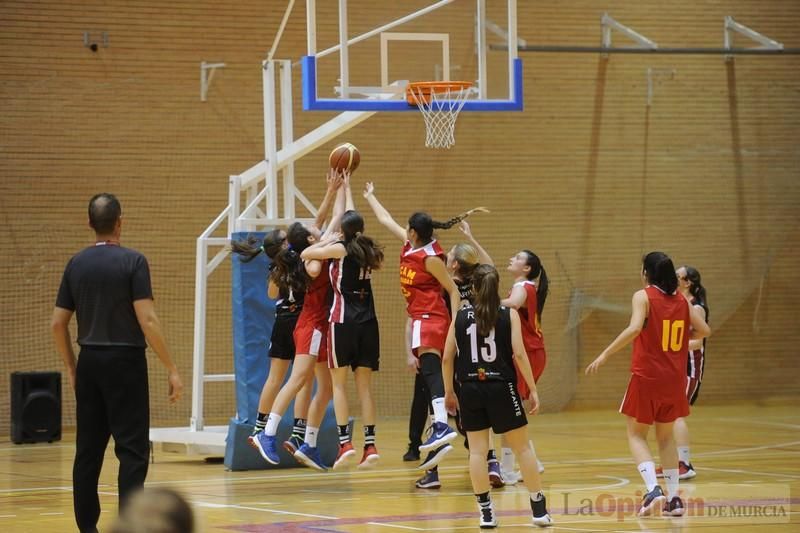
(353, 339)
(461, 260)
(423, 276)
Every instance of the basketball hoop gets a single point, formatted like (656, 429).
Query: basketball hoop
(439, 102)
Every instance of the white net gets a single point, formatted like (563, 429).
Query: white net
(440, 106)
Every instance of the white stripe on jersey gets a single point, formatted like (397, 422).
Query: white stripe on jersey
(316, 341)
(626, 393)
(416, 331)
(338, 297)
(332, 347)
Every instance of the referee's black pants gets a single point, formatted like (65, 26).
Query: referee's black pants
(112, 399)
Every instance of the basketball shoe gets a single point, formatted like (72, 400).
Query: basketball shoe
(309, 456)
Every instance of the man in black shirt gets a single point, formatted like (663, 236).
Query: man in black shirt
(108, 287)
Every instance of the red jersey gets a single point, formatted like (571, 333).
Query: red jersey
(422, 291)
(317, 303)
(659, 351)
(529, 318)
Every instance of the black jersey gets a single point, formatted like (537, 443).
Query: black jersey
(352, 291)
(480, 358)
(701, 303)
(289, 302)
(464, 291)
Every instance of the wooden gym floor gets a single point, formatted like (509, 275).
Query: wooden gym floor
(747, 458)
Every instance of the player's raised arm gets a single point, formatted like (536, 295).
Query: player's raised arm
(384, 217)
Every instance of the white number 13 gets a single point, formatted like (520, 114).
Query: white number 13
(488, 350)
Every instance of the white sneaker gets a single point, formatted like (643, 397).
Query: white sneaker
(488, 518)
(512, 478)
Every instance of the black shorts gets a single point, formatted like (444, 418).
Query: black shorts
(491, 404)
(281, 343)
(354, 345)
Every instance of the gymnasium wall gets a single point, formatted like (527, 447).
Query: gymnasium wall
(589, 176)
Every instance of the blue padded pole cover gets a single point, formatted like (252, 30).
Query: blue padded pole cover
(253, 317)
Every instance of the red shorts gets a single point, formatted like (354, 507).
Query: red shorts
(538, 360)
(312, 339)
(648, 403)
(429, 331)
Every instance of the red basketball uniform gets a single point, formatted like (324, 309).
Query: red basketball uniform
(531, 336)
(423, 293)
(695, 365)
(311, 332)
(657, 388)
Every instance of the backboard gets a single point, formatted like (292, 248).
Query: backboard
(375, 65)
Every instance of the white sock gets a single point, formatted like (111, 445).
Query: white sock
(508, 460)
(272, 424)
(671, 479)
(648, 471)
(439, 410)
(311, 436)
(683, 455)
(537, 496)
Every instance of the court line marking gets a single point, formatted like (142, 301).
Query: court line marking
(738, 471)
(384, 524)
(749, 449)
(621, 482)
(761, 422)
(275, 511)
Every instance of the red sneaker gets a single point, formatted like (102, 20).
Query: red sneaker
(346, 451)
(684, 471)
(370, 457)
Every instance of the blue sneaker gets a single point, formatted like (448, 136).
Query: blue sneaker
(293, 444)
(267, 447)
(441, 433)
(309, 456)
(429, 481)
(435, 457)
(495, 474)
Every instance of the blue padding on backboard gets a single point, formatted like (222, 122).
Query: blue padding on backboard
(253, 316)
(312, 103)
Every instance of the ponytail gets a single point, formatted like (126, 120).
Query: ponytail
(467, 259)
(287, 271)
(424, 225)
(485, 285)
(660, 271)
(252, 246)
(458, 218)
(366, 252)
(696, 288)
(538, 271)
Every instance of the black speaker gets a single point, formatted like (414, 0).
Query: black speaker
(35, 407)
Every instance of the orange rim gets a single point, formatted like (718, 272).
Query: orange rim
(422, 90)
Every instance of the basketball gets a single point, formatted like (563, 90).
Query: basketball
(345, 157)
